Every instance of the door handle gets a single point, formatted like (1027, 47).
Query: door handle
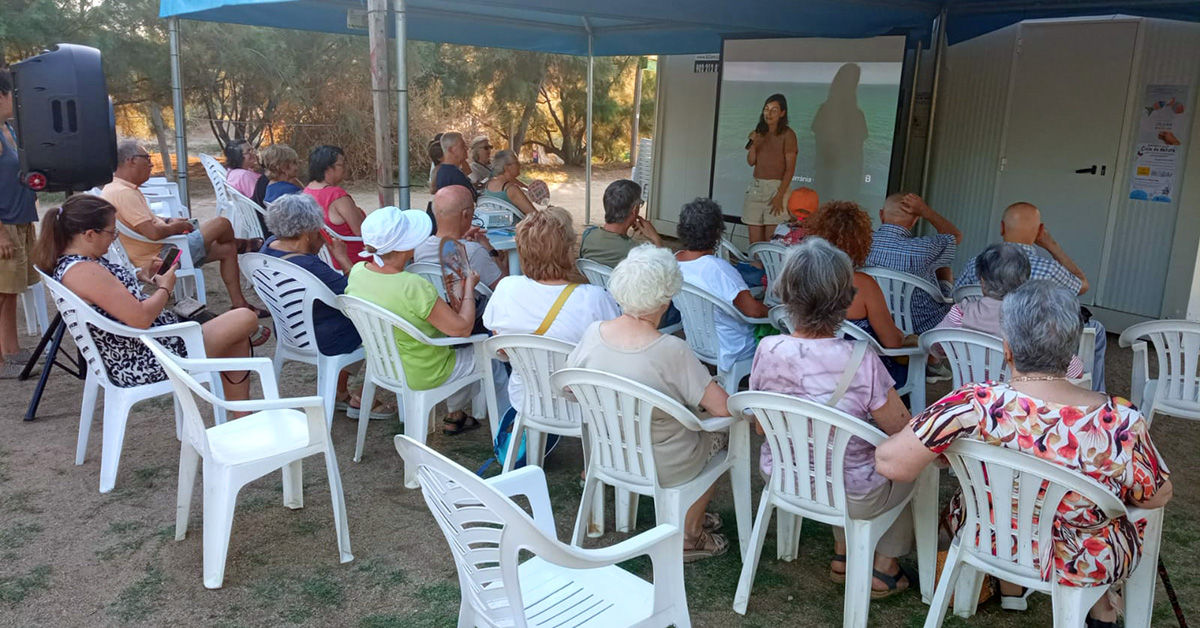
(1091, 170)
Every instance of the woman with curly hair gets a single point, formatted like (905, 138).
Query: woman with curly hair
(701, 223)
(845, 225)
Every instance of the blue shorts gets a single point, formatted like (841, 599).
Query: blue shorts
(196, 248)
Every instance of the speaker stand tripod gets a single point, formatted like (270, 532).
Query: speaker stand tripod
(50, 348)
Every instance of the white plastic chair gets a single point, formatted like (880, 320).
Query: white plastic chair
(559, 585)
(243, 215)
(117, 255)
(217, 175)
(278, 435)
(81, 319)
(433, 274)
(808, 443)
(974, 291)
(898, 290)
(597, 274)
(914, 385)
(699, 308)
(727, 248)
(493, 203)
(33, 302)
(324, 252)
(1176, 390)
(291, 293)
(770, 255)
(974, 357)
(168, 198)
(378, 327)
(998, 541)
(617, 416)
(190, 276)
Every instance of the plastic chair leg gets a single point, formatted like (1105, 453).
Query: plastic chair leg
(466, 615)
(625, 509)
(87, 412)
(293, 484)
(750, 563)
(924, 512)
(367, 401)
(189, 464)
(966, 591)
(535, 447)
(860, 556)
(786, 534)
(339, 504)
(327, 381)
(945, 588)
(590, 487)
(116, 414)
(1140, 588)
(416, 427)
(739, 479)
(510, 457)
(1071, 604)
(220, 499)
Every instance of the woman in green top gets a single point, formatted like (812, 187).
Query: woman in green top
(504, 184)
(390, 235)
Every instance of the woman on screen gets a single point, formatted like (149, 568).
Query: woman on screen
(840, 130)
(772, 151)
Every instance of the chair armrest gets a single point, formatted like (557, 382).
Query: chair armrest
(189, 331)
(718, 423)
(753, 321)
(313, 407)
(530, 482)
(261, 366)
(455, 341)
(902, 351)
(661, 538)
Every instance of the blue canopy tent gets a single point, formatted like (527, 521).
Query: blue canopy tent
(633, 27)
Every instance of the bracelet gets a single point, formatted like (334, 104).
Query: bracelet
(157, 288)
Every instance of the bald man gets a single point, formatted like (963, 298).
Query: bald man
(1022, 225)
(453, 209)
(929, 257)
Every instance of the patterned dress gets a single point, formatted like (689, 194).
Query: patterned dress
(1109, 443)
(129, 362)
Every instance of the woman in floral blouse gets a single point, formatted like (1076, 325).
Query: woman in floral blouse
(1041, 413)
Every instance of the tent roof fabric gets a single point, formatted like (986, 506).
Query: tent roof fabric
(636, 27)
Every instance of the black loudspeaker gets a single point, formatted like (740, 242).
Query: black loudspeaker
(66, 130)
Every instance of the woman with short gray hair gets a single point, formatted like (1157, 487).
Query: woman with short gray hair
(816, 285)
(631, 346)
(1002, 268)
(505, 185)
(297, 222)
(1038, 411)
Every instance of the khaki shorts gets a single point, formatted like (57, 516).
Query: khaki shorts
(756, 210)
(16, 272)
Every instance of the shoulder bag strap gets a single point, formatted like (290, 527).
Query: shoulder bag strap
(554, 309)
(856, 358)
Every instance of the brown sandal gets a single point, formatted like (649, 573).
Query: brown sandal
(704, 545)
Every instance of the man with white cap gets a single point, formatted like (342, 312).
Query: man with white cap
(390, 235)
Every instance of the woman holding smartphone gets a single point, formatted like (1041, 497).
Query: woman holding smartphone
(71, 248)
(772, 152)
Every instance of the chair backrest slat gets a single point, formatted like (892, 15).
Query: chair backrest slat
(535, 359)
(898, 290)
(378, 328)
(698, 308)
(597, 274)
(974, 357)
(771, 255)
(186, 390)
(1177, 347)
(290, 292)
(217, 177)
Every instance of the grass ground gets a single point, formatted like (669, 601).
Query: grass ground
(70, 556)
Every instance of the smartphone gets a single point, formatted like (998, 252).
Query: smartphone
(169, 256)
(195, 222)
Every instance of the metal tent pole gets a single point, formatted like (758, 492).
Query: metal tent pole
(402, 101)
(939, 43)
(181, 158)
(587, 203)
(378, 42)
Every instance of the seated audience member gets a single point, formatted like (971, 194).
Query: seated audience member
(522, 304)
(71, 248)
(631, 346)
(242, 162)
(435, 159)
(1039, 412)
(802, 202)
(929, 257)
(1022, 226)
(700, 226)
(390, 235)
(480, 160)
(214, 241)
(816, 285)
(326, 171)
(1001, 268)
(609, 243)
(505, 185)
(454, 164)
(453, 209)
(845, 225)
(282, 165)
(296, 221)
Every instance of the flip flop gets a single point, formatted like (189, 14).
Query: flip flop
(892, 582)
(260, 336)
(465, 424)
(258, 311)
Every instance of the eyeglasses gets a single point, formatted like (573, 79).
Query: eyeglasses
(146, 157)
(486, 147)
(111, 232)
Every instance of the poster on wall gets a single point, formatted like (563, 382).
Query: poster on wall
(1160, 143)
